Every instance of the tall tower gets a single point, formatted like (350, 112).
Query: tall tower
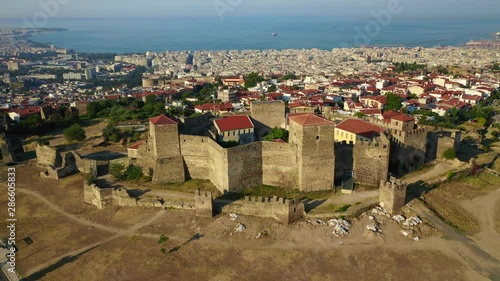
(164, 146)
(313, 136)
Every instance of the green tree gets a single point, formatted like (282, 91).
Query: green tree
(74, 133)
(393, 102)
(252, 79)
(116, 170)
(481, 121)
(449, 154)
(132, 173)
(271, 89)
(276, 133)
(111, 133)
(359, 115)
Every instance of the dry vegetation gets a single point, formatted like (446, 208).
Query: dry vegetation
(445, 199)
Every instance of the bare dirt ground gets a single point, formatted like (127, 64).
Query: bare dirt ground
(75, 241)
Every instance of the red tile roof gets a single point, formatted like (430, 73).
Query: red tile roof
(136, 145)
(162, 120)
(360, 127)
(231, 123)
(310, 120)
(397, 116)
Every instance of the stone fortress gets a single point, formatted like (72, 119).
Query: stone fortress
(311, 160)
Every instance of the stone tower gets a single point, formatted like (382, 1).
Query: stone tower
(203, 203)
(313, 137)
(392, 195)
(371, 160)
(164, 146)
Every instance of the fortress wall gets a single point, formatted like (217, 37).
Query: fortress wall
(283, 210)
(371, 161)
(169, 170)
(205, 159)
(343, 158)
(48, 156)
(244, 166)
(94, 195)
(279, 164)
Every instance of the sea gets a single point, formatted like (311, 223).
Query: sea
(134, 35)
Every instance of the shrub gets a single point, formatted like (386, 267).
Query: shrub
(450, 175)
(116, 170)
(74, 133)
(277, 133)
(132, 173)
(90, 179)
(449, 154)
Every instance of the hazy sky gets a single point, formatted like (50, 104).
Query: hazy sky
(424, 9)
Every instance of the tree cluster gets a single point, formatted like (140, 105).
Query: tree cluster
(276, 133)
(252, 79)
(126, 109)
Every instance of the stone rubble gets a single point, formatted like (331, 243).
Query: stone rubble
(340, 227)
(233, 216)
(412, 221)
(240, 227)
(380, 211)
(399, 219)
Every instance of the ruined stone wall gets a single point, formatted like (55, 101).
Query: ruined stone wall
(267, 115)
(9, 147)
(279, 164)
(343, 158)
(203, 204)
(392, 195)
(48, 156)
(446, 140)
(371, 161)
(283, 210)
(87, 166)
(94, 195)
(244, 166)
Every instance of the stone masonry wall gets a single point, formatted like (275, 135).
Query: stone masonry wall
(279, 164)
(48, 156)
(169, 170)
(205, 159)
(371, 161)
(315, 155)
(266, 115)
(283, 210)
(165, 141)
(244, 166)
(392, 195)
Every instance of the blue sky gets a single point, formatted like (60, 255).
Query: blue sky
(412, 9)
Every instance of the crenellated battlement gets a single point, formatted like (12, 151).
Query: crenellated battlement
(271, 200)
(392, 194)
(203, 202)
(393, 184)
(372, 144)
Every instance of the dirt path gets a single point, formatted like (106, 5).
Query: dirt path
(439, 170)
(73, 254)
(476, 257)
(484, 209)
(68, 215)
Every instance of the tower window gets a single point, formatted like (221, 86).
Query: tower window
(317, 137)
